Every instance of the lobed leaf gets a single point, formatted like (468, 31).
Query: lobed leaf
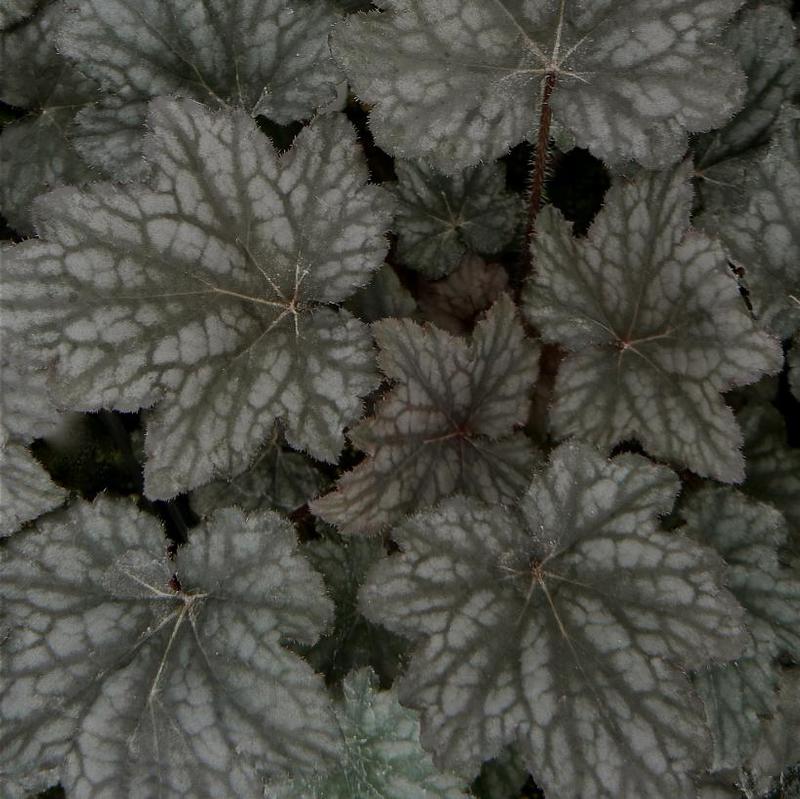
(206, 292)
(655, 326)
(268, 57)
(136, 684)
(764, 238)
(383, 757)
(455, 83)
(440, 218)
(561, 625)
(737, 695)
(37, 153)
(446, 426)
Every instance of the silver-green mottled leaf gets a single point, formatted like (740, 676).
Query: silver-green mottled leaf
(748, 535)
(278, 480)
(458, 82)
(563, 625)
(655, 325)
(36, 153)
(457, 301)
(764, 238)
(141, 687)
(26, 409)
(773, 468)
(764, 41)
(269, 57)
(446, 426)
(26, 490)
(440, 219)
(353, 642)
(779, 744)
(208, 292)
(384, 297)
(383, 758)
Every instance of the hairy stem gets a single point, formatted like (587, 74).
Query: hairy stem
(539, 170)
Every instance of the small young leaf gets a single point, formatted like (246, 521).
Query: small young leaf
(447, 425)
(354, 641)
(655, 324)
(457, 82)
(748, 535)
(269, 57)
(384, 298)
(561, 625)
(208, 292)
(383, 757)
(773, 468)
(764, 238)
(143, 684)
(26, 490)
(278, 480)
(440, 218)
(37, 154)
(457, 301)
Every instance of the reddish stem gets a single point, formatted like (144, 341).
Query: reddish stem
(539, 171)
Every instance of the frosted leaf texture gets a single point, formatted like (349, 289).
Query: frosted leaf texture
(447, 424)
(353, 641)
(269, 57)
(383, 757)
(208, 292)
(36, 153)
(765, 44)
(440, 219)
(26, 490)
(562, 624)
(278, 480)
(764, 238)
(457, 301)
(456, 82)
(748, 535)
(655, 326)
(779, 744)
(141, 685)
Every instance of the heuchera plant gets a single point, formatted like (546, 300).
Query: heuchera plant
(400, 399)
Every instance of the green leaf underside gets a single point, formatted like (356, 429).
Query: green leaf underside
(655, 326)
(353, 642)
(764, 237)
(447, 424)
(141, 689)
(36, 153)
(204, 292)
(455, 82)
(26, 490)
(269, 57)
(748, 535)
(278, 480)
(382, 753)
(440, 219)
(526, 632)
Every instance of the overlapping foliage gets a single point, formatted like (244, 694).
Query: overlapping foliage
(427, 493)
